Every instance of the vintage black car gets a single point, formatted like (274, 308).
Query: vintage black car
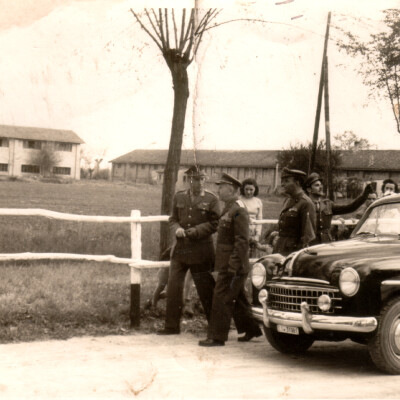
(348, 289)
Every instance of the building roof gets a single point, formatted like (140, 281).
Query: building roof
(359, 160)
(373, 160)
(30, 133)
(226, 158)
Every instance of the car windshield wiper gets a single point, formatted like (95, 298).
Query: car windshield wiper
(365, 233)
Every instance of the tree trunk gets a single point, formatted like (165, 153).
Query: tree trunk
(181, 94)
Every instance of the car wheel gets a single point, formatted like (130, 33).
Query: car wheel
(286, 343)
(384, 347)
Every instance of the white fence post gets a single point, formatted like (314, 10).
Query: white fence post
(136, 253)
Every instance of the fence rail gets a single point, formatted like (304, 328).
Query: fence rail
(136, 262)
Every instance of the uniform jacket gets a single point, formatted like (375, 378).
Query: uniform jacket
(200, 212)
(325, 209)
(296, 224)
(232, 253)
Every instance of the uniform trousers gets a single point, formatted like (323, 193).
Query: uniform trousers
(229, 301)
(203, 281)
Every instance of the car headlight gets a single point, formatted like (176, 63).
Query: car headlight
(349, 282)
(258, 275)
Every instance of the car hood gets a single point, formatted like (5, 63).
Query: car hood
(363, 254)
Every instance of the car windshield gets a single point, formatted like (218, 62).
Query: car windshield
(381, 220)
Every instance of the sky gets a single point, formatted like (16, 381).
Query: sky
(87, 66)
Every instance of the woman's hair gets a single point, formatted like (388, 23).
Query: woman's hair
(396, 188)
(249, 181)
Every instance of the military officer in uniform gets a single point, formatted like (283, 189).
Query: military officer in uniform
(296, 224)
(232, 265)
(195, 214)
(325, 209)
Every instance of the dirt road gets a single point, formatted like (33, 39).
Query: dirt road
(174, 367)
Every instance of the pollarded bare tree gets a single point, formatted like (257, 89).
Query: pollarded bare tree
(178, 37)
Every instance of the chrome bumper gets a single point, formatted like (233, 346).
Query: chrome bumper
(308, 322)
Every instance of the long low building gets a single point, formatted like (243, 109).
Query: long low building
(19, 144)
(147, 166)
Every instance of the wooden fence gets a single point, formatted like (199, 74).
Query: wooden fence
(135, 262)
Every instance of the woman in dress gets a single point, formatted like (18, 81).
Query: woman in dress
(253, 204)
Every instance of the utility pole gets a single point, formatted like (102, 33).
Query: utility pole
(328, 133)
(311, 164)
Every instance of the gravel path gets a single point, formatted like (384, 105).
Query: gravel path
(174, 367)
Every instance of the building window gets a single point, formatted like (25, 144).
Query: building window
(3, 143)
(119, 166)
(62, 170)
(229, 171)
(3, 167)
(59, 146)
(143, 166)
(30, 169)
(32, 144)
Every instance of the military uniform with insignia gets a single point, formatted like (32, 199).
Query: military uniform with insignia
(193, 221)
(296, 222)
(232, 265)
(325, 209)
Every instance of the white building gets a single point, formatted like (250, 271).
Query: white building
(18, 145)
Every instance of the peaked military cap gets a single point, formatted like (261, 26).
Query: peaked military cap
(230, 180)
(195, 172)
(296, 173)
(312, 178)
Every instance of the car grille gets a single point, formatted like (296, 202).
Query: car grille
(289, 297)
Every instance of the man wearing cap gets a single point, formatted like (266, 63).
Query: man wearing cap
(232, 265)
(296, 222)
(325, 209)
(195, 214)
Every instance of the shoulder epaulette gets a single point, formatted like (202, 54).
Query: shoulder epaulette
(241, 204)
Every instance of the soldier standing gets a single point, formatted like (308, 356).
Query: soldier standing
(232, 265)
(195, 214)
(296, 223)
(325, 209)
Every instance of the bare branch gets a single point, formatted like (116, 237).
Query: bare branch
(175, 29)
(262, 21)
(191, 40)
(214, 14)
(181, 41)
(200, 30)
(146, 30)
(189, 34)
(161, 26)
(206, 20)
(203, 22)
(166, 26)
(152, 24)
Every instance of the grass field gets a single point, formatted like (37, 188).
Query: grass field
(62, 299)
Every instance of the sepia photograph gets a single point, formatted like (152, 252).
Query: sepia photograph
(200, 199)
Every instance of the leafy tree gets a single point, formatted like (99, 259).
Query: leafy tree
(46, 158)
(297, 157)
(348, 140)
(178, 38)
(380, 55)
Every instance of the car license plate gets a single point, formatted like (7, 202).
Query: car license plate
(292, 330)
